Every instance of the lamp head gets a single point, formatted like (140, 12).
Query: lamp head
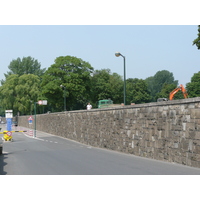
(117, 54)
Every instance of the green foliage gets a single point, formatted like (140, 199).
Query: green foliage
(74, 74)
(150, 85)
(156, 83)
(106, 85)
(137, 91)
(21, 86)
(100, 85)
(8, 92)
(26, 83)
(26, 65)
(193, 88)
(197, 40)
(20, 92)
(116, 88)
(166, 89)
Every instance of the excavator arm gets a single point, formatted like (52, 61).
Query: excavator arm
(185, 94)
(171, 95)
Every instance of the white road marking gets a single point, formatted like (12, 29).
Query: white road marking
(39, 139)
(36, 138)
(28, 136)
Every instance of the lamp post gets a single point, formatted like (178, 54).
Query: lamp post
(64, 96)
(40, 102)
(34, 135)
(117, 54)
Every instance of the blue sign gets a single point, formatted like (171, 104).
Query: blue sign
(9, 124)
(30, 120)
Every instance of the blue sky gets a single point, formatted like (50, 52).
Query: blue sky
(147, 48)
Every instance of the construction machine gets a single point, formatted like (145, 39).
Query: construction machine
(171, 95)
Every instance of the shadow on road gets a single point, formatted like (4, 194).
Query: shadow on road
(2, 164)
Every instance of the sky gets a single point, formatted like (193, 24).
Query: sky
(147, 48)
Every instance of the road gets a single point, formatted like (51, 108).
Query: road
(52, 155)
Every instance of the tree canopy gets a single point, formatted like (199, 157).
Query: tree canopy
(156, 83)
(166, 89)
(74, 74)
(105, 84)
(26, 65)
(197, 40)
(193, 88)
(20, 92)
(137, 91)
(27, 83)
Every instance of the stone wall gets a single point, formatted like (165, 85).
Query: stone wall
(168, 131)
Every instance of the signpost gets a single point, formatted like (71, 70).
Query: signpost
(30, 120)
(9, 113)
(40, 102)
(9, 116)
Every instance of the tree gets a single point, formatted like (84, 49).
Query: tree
(150, 86)
(74, 74)
(105, 85)
(8, 92)
(156, 83)
(197, 40)
(193, 88)
(26, 65)
(20, 92)
(137, 91)
(166, 89)
(100, 85)
(116, 87)
(28, 91)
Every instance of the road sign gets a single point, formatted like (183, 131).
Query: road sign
(9, 133)
(9, 113)
(42, 102)
(30, 120)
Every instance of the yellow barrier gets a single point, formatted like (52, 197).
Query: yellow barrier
(8, 135)
(11, 131)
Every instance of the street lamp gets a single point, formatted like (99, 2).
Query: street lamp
(117, 54)
(62, 86)
(40, 102)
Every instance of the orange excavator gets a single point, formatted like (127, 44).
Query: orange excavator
(171, 95)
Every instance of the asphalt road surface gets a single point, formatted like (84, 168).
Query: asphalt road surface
(52, 155)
